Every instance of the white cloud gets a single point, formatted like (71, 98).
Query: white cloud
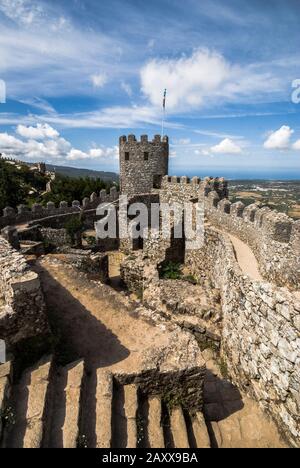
(186, 79)
(95, 153)
(296, 145)
(206, 152)
(40, 132)
(21, 11)
(38, 103)
(8, 142)
(99, 80)
(280, 139)
(60, 23)
(204, 76)
(31, 149)
(109, 117)
(226, 146)
(52, 147)
(217, 134)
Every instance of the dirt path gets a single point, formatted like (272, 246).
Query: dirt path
(93, 320)
(246, 259)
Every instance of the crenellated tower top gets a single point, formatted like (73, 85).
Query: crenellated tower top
(143, 163)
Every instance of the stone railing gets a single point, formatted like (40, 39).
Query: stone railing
(22, 307)
(273, 237)
(24, 214)
(260, 336)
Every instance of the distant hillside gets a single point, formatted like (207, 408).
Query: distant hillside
(76, 172)
(27, 183)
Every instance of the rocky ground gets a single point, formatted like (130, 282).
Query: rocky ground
(99, 335)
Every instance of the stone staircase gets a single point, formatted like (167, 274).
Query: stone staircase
(68, 407)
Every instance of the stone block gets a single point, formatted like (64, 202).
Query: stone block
(9, 212)
(237, 209)
(23, 209)
(103, 195)
(249, 213)
(195, 180)
(51, 206)
(63, 205)
(224, 206)
(93, 197)
(37, 208)
(277, 226)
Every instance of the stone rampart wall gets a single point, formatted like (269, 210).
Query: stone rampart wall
(261, 332)
(22, 307)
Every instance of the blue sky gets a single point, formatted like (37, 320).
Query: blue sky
(80, 73)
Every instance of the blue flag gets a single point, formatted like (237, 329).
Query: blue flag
(164, 101)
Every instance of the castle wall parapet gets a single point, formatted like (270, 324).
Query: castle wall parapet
(273, 237)
(24, 214)
(183, 189)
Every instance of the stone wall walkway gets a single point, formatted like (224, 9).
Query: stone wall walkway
(246, 258)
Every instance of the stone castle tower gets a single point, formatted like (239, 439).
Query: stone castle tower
(143, 163)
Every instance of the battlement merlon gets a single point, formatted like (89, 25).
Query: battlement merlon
(143, 139)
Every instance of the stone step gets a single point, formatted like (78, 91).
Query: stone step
(178, 428)
(130, 409)
(65, 412)
(70, 427)
(104, 396)
(154, 427)
(200, 431)
(29, 398)
(5, 389)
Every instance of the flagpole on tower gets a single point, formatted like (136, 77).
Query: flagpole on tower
(164, 113)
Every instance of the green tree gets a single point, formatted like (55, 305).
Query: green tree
(12, 190)
(68, 189)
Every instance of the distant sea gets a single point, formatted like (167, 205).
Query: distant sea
(241, 174)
